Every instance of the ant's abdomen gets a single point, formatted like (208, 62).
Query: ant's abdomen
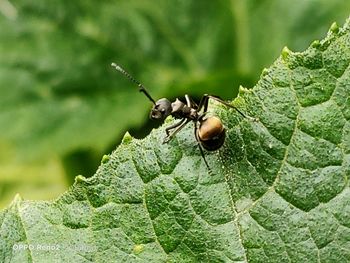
(211, 133)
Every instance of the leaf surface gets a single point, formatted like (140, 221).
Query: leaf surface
(55, 78)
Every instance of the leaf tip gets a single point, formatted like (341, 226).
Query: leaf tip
(17, 198)
(243, 90)
(316, 43)
(334, 28)
(126, 139)
(105, 158)
(265, 72)
(80, 178)
(286, 53)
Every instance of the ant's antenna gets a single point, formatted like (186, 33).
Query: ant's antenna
(141, 87)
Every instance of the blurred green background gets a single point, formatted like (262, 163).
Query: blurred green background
(61, 104)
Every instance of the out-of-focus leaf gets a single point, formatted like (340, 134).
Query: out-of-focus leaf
(58, 93)
(46, 178)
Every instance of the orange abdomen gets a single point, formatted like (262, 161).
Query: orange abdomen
(211, 133)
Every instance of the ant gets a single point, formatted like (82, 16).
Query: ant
(209, 131)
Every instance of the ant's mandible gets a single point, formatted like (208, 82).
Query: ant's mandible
(209, 131)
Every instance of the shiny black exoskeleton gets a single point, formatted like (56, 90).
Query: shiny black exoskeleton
(209, 131)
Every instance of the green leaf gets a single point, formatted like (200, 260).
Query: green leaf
(278, 191)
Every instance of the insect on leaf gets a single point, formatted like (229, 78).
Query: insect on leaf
(278, 193)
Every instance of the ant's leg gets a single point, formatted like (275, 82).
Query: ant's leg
(178, 128)
(167, 129)
(204, 103)
(190, 102)
(200, 147)
(226, 104)
(202, 153)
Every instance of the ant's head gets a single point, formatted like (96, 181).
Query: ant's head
(161, 109)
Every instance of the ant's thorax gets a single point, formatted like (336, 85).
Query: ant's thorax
(181, 110)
